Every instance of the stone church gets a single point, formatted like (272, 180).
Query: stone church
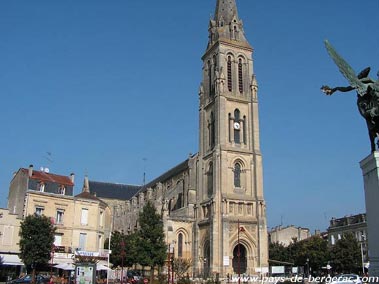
(212, 203)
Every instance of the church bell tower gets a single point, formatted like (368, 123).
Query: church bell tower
(231, 234)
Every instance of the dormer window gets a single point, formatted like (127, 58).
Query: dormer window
(62, 189)
(41, 186)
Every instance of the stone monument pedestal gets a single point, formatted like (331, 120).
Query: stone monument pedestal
(370, 170)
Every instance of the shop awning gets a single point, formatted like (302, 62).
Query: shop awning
(11, 259)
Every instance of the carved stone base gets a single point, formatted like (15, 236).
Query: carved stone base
(370, 170)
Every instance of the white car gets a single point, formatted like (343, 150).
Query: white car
(346, 279)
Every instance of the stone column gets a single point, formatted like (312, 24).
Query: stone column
(370, 170)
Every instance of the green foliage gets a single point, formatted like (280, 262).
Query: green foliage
(315, 249)
(150, 241)
(346, 255)
(116, 246)
(184, 280)
(279, 252)
(36, 240)
(131, 249)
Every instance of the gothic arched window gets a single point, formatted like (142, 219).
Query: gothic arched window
(212, 131)
(210, 180)
(180, 245)
(237, 127)
(210, 77)
(244, 129)
(237, 175)
(229, 69)
(240, 76)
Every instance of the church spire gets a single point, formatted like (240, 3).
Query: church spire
(226, 10)
(226, 24)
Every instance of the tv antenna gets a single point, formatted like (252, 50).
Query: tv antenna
(49, 157)
(144, 171)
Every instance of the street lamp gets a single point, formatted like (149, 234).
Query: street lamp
(168, 263)
(240, 229)
(52, 260)
(363, 238)
(172, 266)
(122, 260)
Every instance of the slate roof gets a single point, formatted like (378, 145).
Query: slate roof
(87, 195)
(113, 190)
(126, 191)
(167, 175)
(48, 177)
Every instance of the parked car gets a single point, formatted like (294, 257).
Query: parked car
(134, 277)
(27, 279)
(346, 279)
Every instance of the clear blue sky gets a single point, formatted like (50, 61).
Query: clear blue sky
(104, 84)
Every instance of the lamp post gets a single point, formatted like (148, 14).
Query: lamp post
(168, 263)
(362, 255)
(172, 266)
(122, 260)
(240, 229)
(52, 260)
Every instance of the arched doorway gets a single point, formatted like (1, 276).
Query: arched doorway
(239, 262)
(206, 259)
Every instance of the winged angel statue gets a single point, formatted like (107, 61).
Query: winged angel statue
(367, 93)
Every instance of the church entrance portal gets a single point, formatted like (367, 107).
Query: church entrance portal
(239, 263)
(206, 259)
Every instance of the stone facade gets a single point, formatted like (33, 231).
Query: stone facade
(9, 228)
(204, 199)
(354, 224)
(287, 235)
(82, 222)
(370, 172)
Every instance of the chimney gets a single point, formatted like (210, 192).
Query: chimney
(30, 170)
(72, 177)
(86, 184)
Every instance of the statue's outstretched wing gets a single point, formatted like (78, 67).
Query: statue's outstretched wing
(375, 86)
(346, 70)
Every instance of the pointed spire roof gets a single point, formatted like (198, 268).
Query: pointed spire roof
(226, 25)
(226, 10)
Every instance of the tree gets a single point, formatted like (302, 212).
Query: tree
(151, 244)
(116, 246)
(131, 247)
(345, 255)
(36, 241)
(278, 252)
(181, 266)
(312, 253)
